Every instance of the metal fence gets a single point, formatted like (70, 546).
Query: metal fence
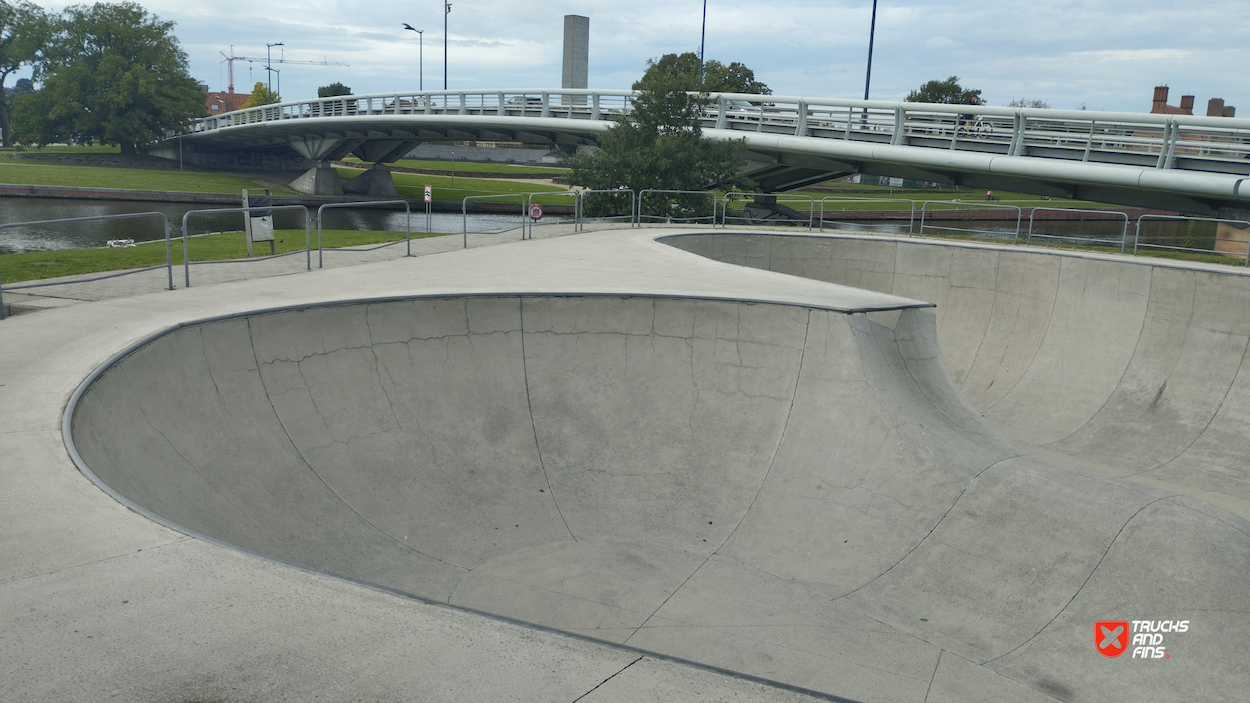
(1105, 215)
(911, 218)
(464, 210)
(186, 250)
(779, 200)
(1189, 241)
(169, 256)
(362, 204)
(987, 233)
(555, 219)
(677, 206)
(602, 213)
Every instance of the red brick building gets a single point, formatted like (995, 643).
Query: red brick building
(221, 103)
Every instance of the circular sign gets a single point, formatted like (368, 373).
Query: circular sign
(536, 211)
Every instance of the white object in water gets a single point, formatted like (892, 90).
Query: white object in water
(116, 243)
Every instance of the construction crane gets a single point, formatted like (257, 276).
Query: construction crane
(231, 58)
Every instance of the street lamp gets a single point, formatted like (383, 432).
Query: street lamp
(872, 31)
(269, 62)
(702, 40)
(420, 54)
(446, 11)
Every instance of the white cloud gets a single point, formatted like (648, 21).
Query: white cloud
(939, 43)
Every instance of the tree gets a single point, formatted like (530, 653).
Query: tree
(1029, 102)
(329, 91)
(660, 145)
(261, 95)
(24, 29)
(946, 92)
(111, 73)
(717, 77)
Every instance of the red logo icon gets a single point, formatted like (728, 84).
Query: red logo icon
(1111, 637)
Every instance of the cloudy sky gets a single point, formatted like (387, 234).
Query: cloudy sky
(1103, 54)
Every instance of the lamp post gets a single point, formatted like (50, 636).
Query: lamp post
(446, 11)
(703, 40)
(269, 62)
(872, 31)
(420, 55)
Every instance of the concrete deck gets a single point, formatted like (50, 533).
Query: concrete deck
(762, 474)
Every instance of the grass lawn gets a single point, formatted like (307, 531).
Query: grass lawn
(412, 186)
(64, 149)
(20, 172)
(473, 167)
(36, 265)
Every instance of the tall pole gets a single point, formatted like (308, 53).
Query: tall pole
(702, 40)
(446, 11)
(421, 59)
(872, 31)
(269, 63)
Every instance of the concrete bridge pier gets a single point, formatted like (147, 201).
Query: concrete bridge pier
(321, 179)
(377, 181)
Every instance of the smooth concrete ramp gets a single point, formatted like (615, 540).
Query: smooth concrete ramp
(791, 492)
(1132, 366)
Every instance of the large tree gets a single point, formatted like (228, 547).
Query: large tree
(946, 92)
(716, 76)
(660, 145)
(24, 29)
(112, 73)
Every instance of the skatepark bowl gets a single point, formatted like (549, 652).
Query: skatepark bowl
(864, 505)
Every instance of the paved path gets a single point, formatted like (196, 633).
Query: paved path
(756, 471)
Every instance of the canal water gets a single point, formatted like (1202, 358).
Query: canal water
(83, 235)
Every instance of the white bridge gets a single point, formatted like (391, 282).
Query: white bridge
(1192, 164)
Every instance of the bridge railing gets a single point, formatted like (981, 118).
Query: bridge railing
(1217, 144)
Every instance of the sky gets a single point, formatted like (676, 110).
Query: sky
(1103, 55)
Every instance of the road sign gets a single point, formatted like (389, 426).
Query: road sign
(429, 194)
(536, 212)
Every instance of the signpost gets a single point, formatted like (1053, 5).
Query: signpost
(536, 212)
(429, 198)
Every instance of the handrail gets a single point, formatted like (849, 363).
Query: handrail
(169, 255)
(1137, 234)
(577, 210)
(1033, 211)
(911, 222)
(925, 206)
(464, 211)
(633, 203)
(186, 250)
(724, 212)
(1218, 144)
(367, 203)
(643, 193)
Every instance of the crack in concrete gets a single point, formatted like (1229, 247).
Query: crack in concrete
(529, 404)
(601, 683)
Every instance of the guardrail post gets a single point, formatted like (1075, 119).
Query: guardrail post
(1017, 135)
(721, 116)
(1, 297)
(595, 114)
(800, 130)
(546, 104)
(899, 138)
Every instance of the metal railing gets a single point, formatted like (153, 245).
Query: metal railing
(780, 199)
(464, 211)
(1176, 218)
(169, 256)
(613, 194)
(362, 204)
(577, 210)
(1123, 241)
(642, 196)
(911, 220)
(992, 234)
(1208, 144)
(186, 249)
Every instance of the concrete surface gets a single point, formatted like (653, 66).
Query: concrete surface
(550, 430)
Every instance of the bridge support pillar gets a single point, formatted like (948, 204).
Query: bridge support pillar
(377, 181)
(321, 179)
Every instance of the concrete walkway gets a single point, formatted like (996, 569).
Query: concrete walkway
(760, 473)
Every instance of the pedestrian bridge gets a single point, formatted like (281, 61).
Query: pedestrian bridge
(1192, 164)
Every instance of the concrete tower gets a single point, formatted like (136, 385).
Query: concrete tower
(576, 51)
